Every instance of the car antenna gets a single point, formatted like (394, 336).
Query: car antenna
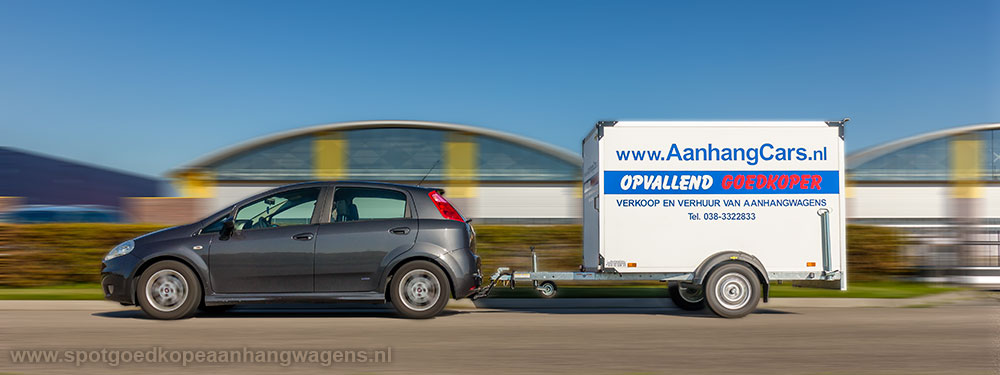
(429, 172)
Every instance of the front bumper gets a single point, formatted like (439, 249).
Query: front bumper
(117, 279)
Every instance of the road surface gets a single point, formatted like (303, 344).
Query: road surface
(953, 339)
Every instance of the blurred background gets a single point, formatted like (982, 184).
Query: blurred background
(934, 195)
(120, 118)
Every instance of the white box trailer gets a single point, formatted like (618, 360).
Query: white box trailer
(718, 209)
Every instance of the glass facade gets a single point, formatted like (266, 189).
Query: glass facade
(394, 154)
(500, 160)
(927, 161)
(931, 160)
(289, 159)
(991, 160)
(403, 154)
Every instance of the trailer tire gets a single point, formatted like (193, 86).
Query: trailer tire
(732, 290)
(690, 299)
(547, 289)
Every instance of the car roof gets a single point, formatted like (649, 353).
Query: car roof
(355, 182)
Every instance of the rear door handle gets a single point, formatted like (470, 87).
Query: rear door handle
(303, 237)
(400, 230)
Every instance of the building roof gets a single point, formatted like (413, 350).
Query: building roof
(860, 157)
(217, 158)
(43, 179)
(926, 157)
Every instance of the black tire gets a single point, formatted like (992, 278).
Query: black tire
(548, 289)
(690, 299)
(168, 290)
(732, 290)
(419, 290)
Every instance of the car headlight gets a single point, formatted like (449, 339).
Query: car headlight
(122, 249)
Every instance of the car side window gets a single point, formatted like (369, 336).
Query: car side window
(293, 207)
(353, 204)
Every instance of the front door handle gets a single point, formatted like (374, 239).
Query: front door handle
(400, 230)
(303, 237)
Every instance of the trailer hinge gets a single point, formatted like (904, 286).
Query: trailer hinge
(600, 127)
(839, 125)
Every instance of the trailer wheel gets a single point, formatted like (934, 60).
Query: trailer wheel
(732, 290)
(690, 299)
(547, 289)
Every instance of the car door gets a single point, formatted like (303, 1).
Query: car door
(272, 247)
(367, 227)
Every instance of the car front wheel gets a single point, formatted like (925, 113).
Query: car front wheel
(419, 290)
(169, 290)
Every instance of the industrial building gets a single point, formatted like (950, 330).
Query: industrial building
(491, 176)
(942, 189)
(48, 189)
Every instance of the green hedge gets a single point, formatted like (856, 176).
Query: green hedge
(60, 254)
(875, 253)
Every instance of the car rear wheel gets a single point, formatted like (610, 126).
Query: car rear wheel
(419, 290)
(169, 290)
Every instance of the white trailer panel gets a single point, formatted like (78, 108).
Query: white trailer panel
(668, 195)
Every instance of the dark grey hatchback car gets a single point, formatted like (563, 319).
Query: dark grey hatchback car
(308, 242)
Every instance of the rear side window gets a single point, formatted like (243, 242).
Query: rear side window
(353, 204)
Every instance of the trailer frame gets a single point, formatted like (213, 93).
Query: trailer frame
(506, 277)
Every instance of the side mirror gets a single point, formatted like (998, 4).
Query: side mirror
(228, 227)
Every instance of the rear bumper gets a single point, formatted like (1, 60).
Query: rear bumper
(465, 273)
(117, 279)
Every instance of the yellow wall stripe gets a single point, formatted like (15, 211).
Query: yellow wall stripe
(461, 156)
(966, 151)
(329, 156)
(195, 184)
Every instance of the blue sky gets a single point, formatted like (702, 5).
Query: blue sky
(146, 87)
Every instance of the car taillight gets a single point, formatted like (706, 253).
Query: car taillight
(446, 209)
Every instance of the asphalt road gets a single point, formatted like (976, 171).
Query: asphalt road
(953, 339)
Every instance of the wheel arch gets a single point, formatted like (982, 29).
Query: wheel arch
(384, 287)
(732, 256)
(159, 258)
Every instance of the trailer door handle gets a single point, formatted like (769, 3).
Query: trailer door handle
(400, 230)
(596, 207)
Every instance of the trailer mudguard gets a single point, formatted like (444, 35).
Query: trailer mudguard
(716, 259)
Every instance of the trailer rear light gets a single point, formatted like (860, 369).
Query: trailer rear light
(444, 207)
